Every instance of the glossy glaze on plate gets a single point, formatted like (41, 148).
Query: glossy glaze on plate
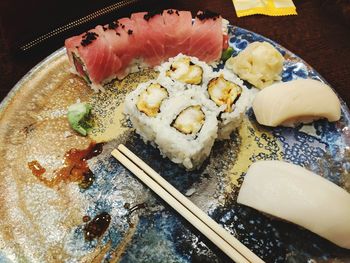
(43, 224)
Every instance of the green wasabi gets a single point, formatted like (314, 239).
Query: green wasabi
(79, 117)
(226, 54)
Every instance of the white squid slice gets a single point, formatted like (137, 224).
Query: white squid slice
(292, 193)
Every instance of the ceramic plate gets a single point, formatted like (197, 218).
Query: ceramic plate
(108, 215)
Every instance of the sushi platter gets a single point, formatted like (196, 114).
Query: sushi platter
(245, 129)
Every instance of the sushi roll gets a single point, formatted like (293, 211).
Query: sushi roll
(88, 52)
(188, 128)
(185, 70)
(145, 40)
(231, 97)
(143, 106)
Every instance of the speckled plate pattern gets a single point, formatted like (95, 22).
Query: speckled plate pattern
(42, 223)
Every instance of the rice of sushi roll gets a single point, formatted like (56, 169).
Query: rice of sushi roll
(183, 118)
(229, 94)
(143, 106)
(188, 128)
(185, 70)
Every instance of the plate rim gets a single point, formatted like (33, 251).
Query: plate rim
(11, 94)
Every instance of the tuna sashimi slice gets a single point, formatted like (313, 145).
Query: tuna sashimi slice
(207, 40)
(96, 56)
(71, 45)
(129, 27)
(150, 35)
(119, 39)
(177, 31)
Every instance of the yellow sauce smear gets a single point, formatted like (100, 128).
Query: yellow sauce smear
(112, 126)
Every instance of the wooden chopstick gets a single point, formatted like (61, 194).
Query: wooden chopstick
(213, 231)
(188, 215)
(235, 243)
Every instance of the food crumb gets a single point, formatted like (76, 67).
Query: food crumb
(190, 192)
(67, 134)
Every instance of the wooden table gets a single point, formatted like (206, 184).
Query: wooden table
(320, 39)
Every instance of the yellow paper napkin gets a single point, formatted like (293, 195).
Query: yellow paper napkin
(264, 7)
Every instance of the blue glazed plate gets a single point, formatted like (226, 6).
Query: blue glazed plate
(43, 223)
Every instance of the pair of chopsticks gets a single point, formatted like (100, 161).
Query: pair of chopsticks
(194, 215)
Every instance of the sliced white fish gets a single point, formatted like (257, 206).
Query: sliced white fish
(297, 101)
(292, 193)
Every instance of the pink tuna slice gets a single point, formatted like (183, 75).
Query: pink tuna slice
(150, 36)
(177, 31)
(120, 42)
(99, 58)
(129, 27)
(206, 40)
(129, 31)
(71, 45)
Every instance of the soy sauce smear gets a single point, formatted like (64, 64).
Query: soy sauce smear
(97, 226)
(36, 168)
(75, 167)
(87, 181)
(132, 210)
(135, 207)
(86, 219)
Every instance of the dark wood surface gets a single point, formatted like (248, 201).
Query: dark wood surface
(321, 38)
